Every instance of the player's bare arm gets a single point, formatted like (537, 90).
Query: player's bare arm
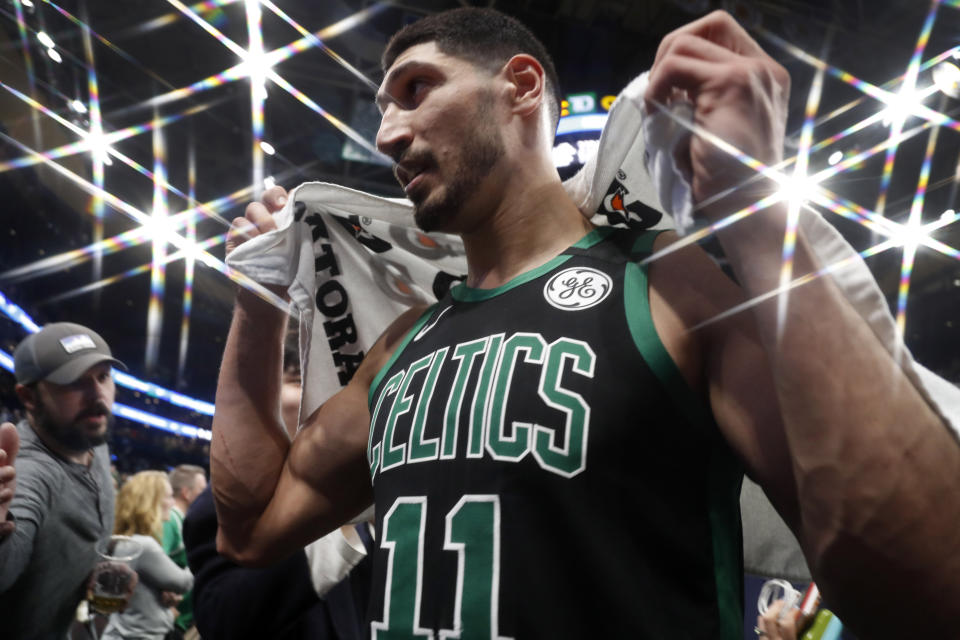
(875, 470)
(274, 496)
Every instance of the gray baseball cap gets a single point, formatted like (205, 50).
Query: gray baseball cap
(60, 353)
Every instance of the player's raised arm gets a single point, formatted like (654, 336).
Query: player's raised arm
(875, 470)
(274, 496)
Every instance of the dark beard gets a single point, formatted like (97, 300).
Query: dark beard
(71, 436)
(481, 151)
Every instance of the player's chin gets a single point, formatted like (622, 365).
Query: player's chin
(431, 221)
(429, 215)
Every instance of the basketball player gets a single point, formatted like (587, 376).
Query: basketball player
(552, 451)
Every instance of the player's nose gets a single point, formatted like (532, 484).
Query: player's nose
(395, 133)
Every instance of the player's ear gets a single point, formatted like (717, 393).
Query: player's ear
(527, 83)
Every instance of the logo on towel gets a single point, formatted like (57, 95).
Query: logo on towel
(618, 210)
(577, 288)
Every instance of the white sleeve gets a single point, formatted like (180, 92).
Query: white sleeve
(332, 557)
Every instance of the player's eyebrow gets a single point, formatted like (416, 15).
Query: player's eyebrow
(384, 96)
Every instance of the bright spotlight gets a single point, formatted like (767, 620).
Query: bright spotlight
(78, 106)
(269, 182)
(54, 55)
(835, 157)
(45, 40)
(911, 234)
(900, 106)
(795, 188)
(27, 3)
(267, 148)
(947, 215)
(99, 148)
(258, 69)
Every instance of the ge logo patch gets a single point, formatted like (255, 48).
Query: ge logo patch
(577, 288)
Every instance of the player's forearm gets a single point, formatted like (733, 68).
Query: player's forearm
(876, 469)
(249, 444)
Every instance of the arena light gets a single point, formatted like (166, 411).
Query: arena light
(564, 154)
(796, 189)
(55, 55)
(45, 40)
(78, 106)
(584, 123)
(267, 148)
(158, 219)
(946, 77)
(151, 420)
(902, 105)
(99, 147)
(140, 217)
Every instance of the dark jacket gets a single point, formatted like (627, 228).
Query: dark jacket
(273, 602)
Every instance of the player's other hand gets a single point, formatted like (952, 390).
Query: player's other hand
(257, 219)
(9, 445)
(739, 93)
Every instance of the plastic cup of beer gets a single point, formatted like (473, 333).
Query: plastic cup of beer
(114, 577)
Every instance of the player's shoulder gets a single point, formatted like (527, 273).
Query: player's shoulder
(388, 342)
(690, 280)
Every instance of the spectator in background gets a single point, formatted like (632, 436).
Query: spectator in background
(188, 481)
(143, 503)
(56, 494)
(304, 596)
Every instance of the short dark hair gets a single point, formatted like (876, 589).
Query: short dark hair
(483, 37)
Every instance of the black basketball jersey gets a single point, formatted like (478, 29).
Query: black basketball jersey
(542, 470)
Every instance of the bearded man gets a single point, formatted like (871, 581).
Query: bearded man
(56, 493)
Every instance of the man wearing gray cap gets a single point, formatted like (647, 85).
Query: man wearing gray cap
(56, 494)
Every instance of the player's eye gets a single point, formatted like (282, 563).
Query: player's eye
(417, 89)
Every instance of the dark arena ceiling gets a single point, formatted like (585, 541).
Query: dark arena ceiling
(115, 116)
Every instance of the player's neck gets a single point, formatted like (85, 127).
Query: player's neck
(534, 222)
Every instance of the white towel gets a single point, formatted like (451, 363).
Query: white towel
(349, 276)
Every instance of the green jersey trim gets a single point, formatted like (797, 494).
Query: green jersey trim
(724, 472)
(724, 479)
(644, 244)
(463, 293)
(648, 343)
(422, 320)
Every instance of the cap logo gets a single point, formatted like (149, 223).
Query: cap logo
(72, 344)
(577, 288)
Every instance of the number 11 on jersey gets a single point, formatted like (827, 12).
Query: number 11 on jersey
(472, 530)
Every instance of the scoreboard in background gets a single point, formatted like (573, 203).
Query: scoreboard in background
(582, 117)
